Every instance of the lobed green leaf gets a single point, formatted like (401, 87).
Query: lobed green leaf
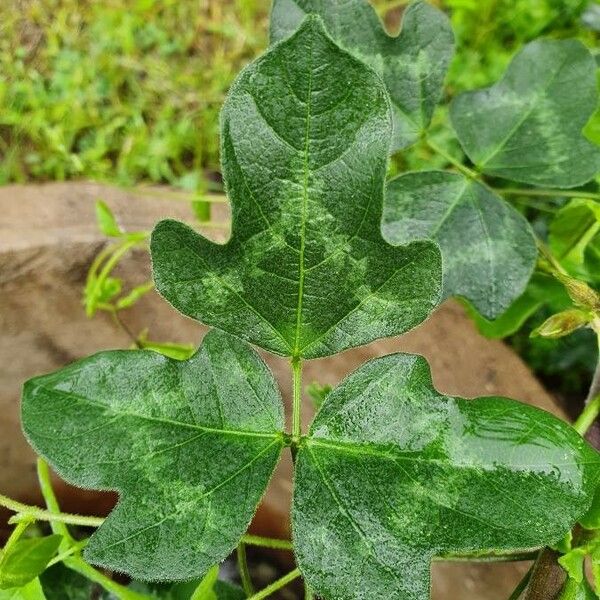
(488, 249)
(306, 273)
(412, 65)
(393, 474)
(189, 445)
(528, 126)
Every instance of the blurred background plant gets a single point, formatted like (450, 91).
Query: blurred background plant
(129, 92)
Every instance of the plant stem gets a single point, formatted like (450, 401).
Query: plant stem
(244, 572)
(308, 594)
(14, 537)
(27, 512)
(548, 193)
(74, 549)
(76, 563)
(276, 585)
(588, 416)
(455, 163)
(297, 399)
(517, 557)
(43, 473)
(264, 542)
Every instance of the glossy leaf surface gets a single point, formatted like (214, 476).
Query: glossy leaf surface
(412, 65)
(393, 474)
(189, 445)
(528, 126)
(26, 559)
(488, 249)
(306, 273)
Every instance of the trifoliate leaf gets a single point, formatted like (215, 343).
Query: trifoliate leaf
(574, 227)
(528, 126)
(393, 474)
(189, 445)
(412, 65)
(306, 273)
(24, 560)
(488, 249)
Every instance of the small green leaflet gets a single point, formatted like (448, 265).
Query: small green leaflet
(26, 559)
(393, 474)
(412, 65)
(488, 249)
(577, 590)
(306, 273)
(189, 445)
(32, 591)
(107, 221)
(528, 126)
(573, 237)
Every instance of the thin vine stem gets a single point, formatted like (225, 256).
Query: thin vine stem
(276, 585)
(43, 473)
(74, 549)
(28, 512)
(265, 542)
(244, 571)
(297, 399)
(455, 163)
(588, 416)
(548, 193)
(77, 564)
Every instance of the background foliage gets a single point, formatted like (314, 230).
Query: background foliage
(130, 90)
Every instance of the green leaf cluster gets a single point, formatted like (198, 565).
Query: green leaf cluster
(391, 474)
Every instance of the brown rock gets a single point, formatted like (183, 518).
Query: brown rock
(48, 239)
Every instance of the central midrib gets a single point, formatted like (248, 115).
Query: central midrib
(301, 269)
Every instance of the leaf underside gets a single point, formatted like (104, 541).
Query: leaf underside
(412, 65)
(306, 273)
(528, 126)
(488, 249)
(393, 474)
(189, 445)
